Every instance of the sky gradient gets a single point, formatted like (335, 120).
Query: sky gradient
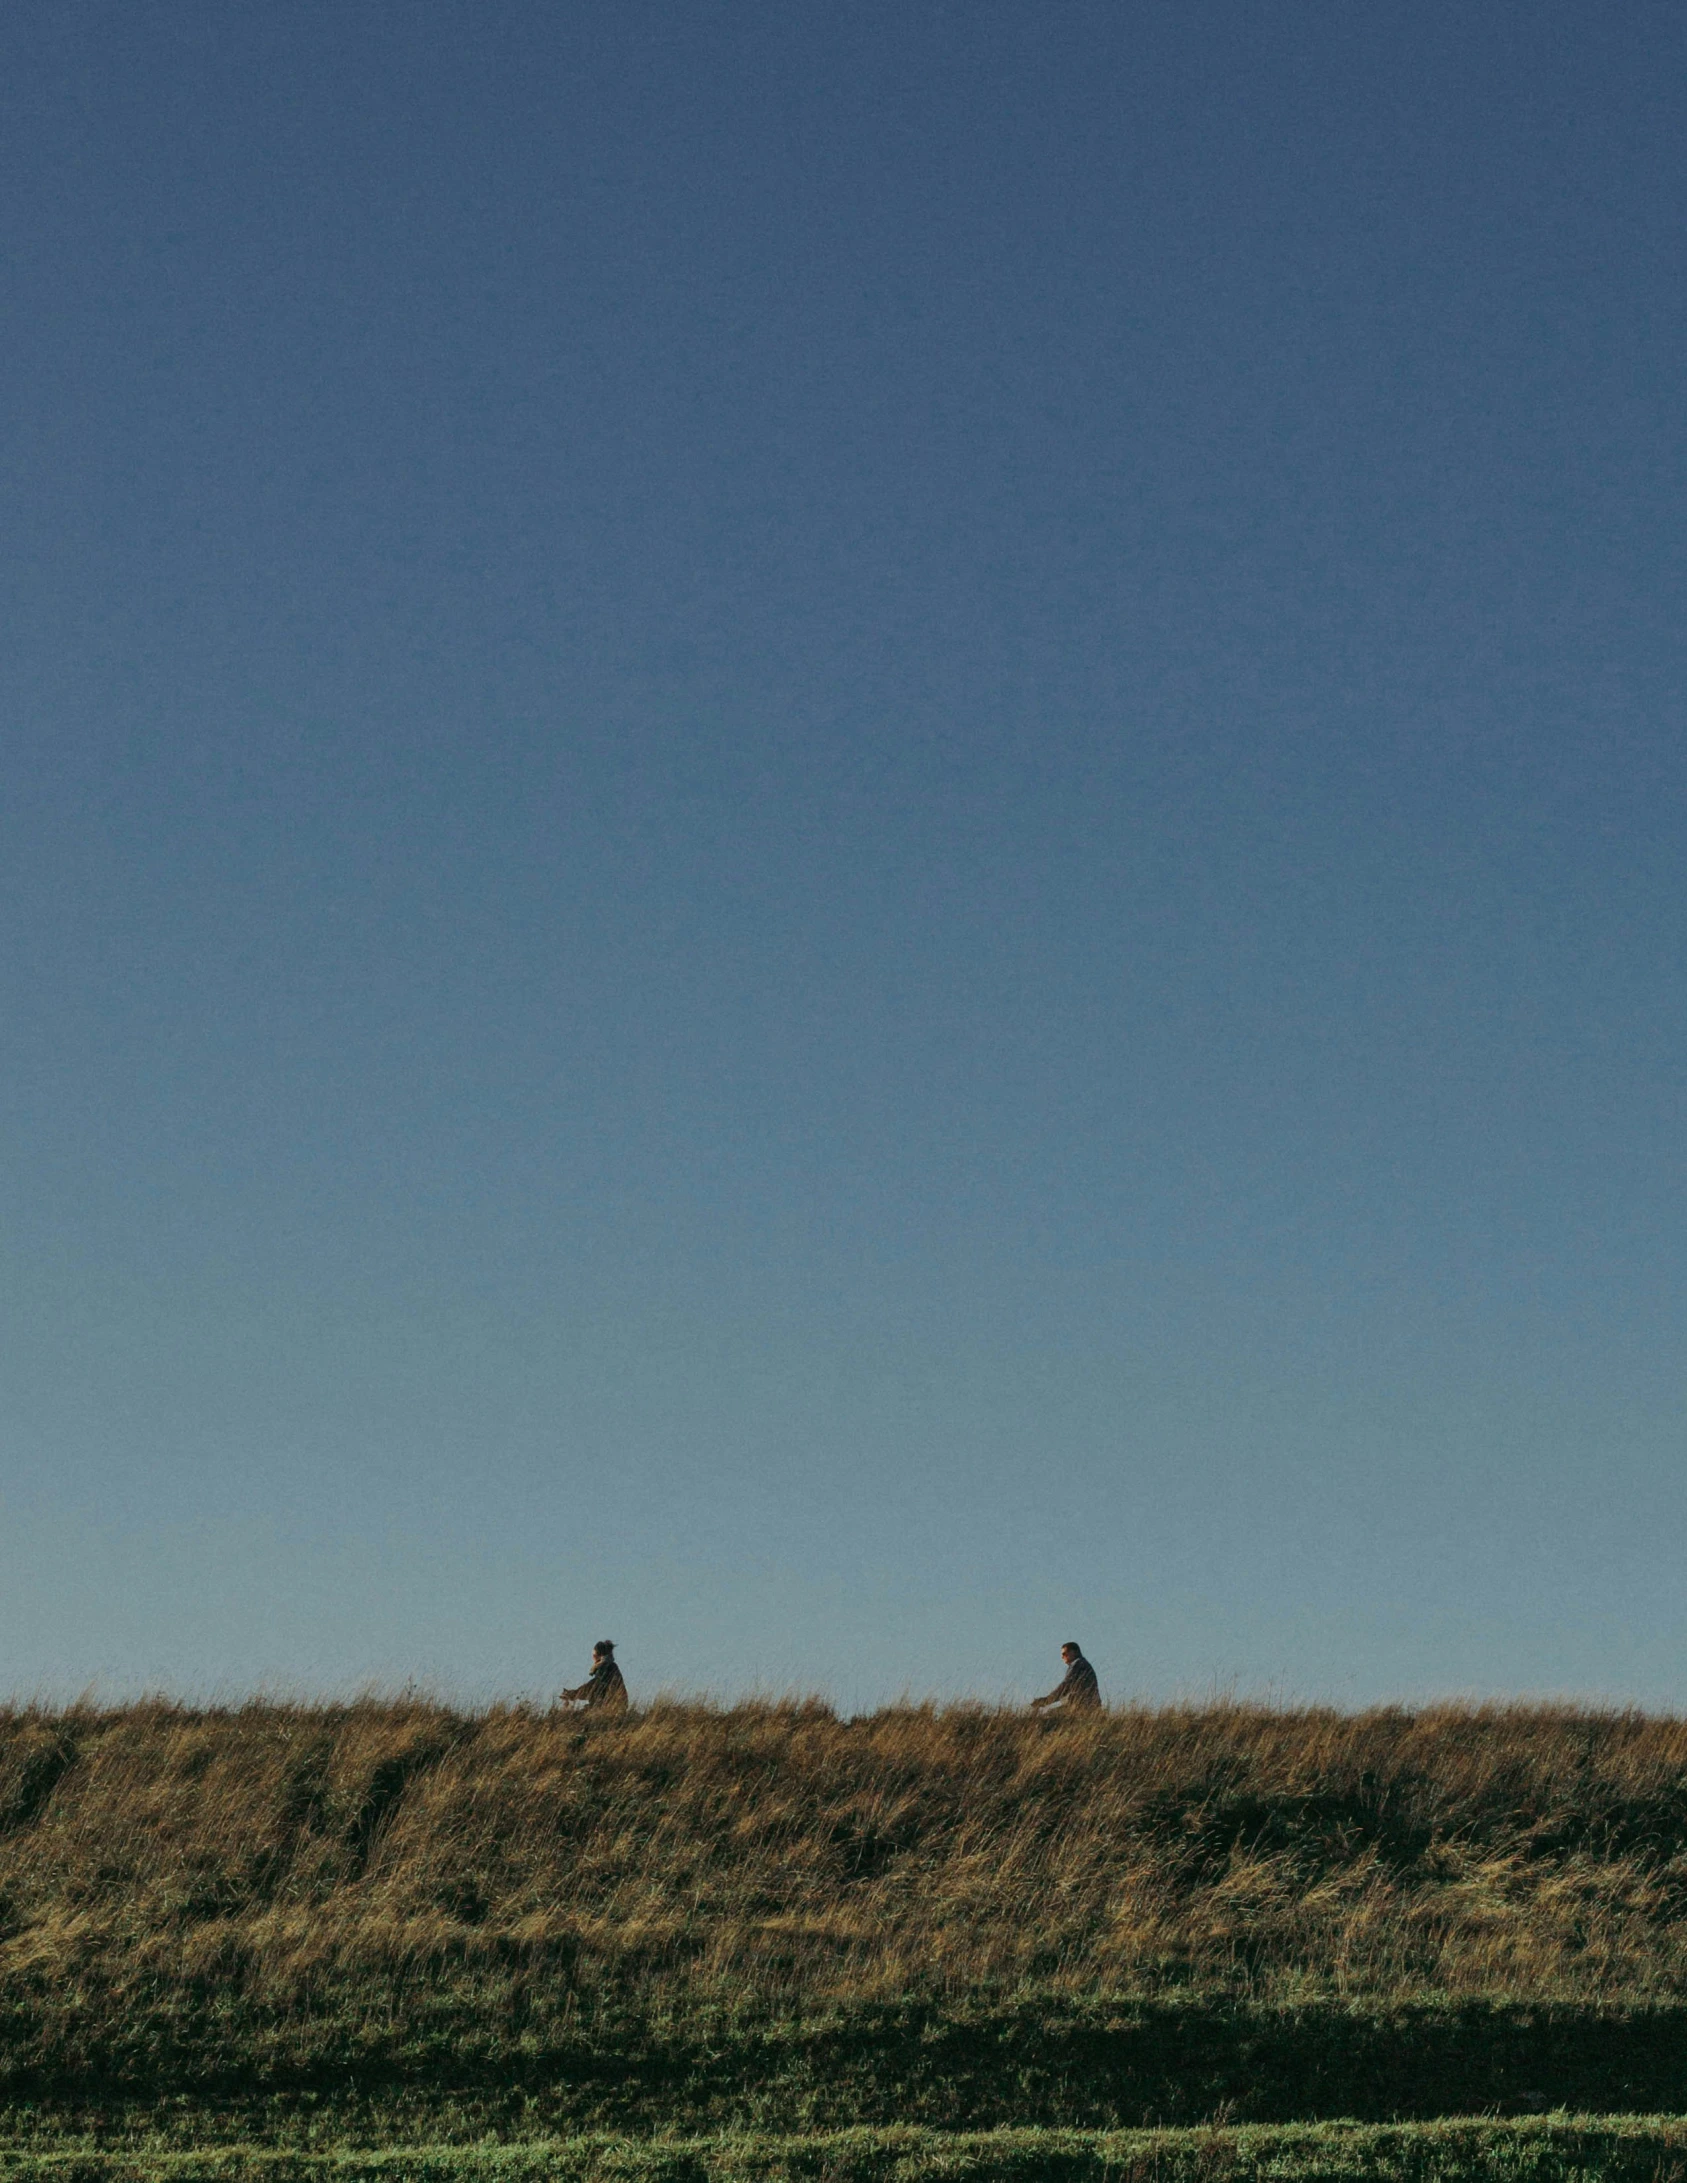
(843, 836)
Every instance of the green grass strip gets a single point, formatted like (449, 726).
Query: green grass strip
(1550, 2149)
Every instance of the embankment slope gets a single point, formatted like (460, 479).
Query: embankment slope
(768, 1917)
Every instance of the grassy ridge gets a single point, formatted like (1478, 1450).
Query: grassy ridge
(771, 1918)
(1560, 2150)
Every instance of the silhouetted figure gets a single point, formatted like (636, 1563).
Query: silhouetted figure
(603, 1690)
(1078, 1691)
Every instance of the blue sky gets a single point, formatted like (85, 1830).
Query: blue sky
(841, 836)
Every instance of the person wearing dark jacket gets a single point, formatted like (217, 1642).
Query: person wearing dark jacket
(1077, 1691)
(603, 1690)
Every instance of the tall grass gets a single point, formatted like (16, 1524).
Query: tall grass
(781, 1850)
(398, 1872)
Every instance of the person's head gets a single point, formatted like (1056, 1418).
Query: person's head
(602, 1650)
(1071, 1651)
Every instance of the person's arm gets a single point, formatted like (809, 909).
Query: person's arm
(583, 1690)
(1067, 1689)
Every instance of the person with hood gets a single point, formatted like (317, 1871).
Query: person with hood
(603, 1691)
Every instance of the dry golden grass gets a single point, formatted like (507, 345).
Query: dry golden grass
(685, 1854)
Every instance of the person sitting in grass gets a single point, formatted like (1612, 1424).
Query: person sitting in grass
(1077, 1691)
(603, 1690)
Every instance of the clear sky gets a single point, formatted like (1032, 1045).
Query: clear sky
(840, 836)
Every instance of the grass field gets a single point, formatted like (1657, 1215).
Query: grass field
(1561, 2150)
(759, 1928)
